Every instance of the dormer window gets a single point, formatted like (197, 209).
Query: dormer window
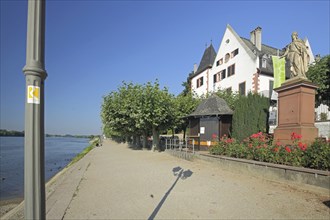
(264, 63)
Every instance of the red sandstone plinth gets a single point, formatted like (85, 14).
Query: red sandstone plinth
(296, 101)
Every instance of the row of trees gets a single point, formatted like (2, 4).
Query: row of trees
(136, 110)
(141, 110)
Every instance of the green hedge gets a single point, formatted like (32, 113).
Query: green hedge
(250, 116)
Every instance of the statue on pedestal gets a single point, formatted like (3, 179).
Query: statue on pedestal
(298, 56)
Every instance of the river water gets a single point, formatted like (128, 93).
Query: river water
(58, 153)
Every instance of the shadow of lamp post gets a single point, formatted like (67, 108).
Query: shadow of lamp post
(180, 173)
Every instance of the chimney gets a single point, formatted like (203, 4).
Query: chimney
(195, 68)
(317, 57)
(258, 37)
(255, 37)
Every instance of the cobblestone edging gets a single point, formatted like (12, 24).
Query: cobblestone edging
(181, 154)
(271, 171)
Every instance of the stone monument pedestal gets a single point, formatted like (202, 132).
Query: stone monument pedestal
(296, 101)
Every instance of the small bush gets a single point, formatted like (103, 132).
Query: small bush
(323, 116)
(318, 155)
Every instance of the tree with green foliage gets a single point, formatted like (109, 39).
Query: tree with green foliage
(136, 110)
(319, 73)
(185, 104)
(230, 97)
(157, 110)
(118, 109)
(186, 85)
(250, 116)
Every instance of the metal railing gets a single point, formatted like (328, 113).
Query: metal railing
(187, 144)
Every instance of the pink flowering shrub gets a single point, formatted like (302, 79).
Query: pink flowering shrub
(261, 147)
(229, 147)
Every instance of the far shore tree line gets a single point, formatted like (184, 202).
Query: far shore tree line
(13, 133)
(135, 110)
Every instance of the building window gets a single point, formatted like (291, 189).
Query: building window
(227, 57)
(231, 70)
(219, 62)
(199, 82)
(234, 53)
(216, 77)
(264, 60)
(264, 63)
(271, 85)
(223, 74)
(241, 88)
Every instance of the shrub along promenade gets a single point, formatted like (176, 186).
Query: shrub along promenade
(261, 148)
(115, 181)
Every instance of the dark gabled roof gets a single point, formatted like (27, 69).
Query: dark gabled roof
(266, 53)
(265, 49)
(206, 61)
(211, 106)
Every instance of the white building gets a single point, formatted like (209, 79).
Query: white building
(241, 65)
(199, 80)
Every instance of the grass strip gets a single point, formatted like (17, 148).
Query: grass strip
(85, 151)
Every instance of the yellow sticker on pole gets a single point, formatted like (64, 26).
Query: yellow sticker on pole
(33, 94)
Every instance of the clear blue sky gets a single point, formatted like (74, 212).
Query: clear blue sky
(92, 46)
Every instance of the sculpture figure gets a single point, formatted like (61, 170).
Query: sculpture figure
(298, 56)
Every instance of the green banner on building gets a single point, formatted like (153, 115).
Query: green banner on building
(279, 71)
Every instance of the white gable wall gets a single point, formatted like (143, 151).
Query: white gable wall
(264, 85)
(202, 90)
(311, 55)
(245, 65)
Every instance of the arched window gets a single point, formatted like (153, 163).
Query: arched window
(227, 57)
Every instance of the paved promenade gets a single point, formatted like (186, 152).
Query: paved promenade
(116, 182)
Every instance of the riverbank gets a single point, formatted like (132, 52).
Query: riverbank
(59, 191)
(7, 205)
(117, 182)
(58, 154)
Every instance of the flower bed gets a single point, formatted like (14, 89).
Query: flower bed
(261, 147)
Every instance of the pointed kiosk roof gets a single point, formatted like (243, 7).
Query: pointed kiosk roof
(212, 106)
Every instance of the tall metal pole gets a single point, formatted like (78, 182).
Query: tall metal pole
(35, 74)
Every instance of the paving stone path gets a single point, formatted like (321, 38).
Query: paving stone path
(116, 182)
